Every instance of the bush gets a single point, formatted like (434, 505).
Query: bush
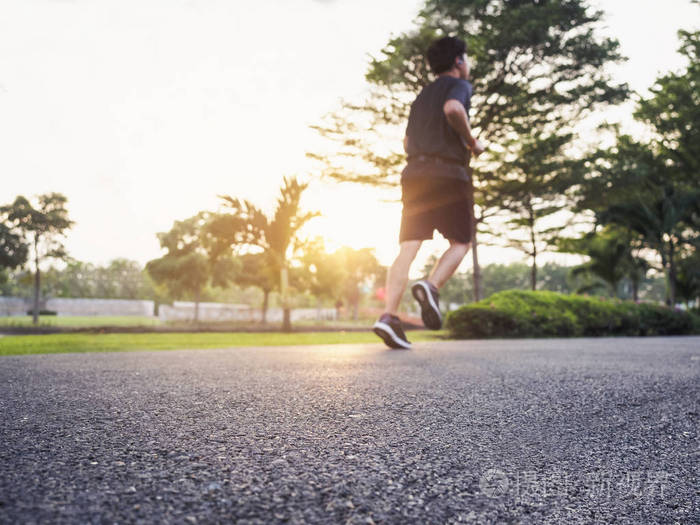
(43, 312)
(519, 313)
(481, 322)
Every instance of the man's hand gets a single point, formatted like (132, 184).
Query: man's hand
(477, 147)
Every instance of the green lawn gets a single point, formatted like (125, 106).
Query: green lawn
(63, 343)
(81, 320)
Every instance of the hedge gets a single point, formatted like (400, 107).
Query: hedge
(520, 313)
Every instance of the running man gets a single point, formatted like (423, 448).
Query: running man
(435, 189)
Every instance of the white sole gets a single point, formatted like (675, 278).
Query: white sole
(429, 295)
(387, 329)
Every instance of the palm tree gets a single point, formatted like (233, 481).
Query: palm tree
(611, 259)
(661, 221)
(277, 236)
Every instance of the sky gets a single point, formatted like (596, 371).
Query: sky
(142, 112)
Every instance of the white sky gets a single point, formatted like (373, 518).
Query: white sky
(142, 111)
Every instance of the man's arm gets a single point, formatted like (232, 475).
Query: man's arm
(457, 118)
(405, 143)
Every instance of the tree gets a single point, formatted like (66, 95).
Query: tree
(531, 185)
(40, 226)
(611, 259)
(634, 185)
(277, 236)
(652, 188)
(539, 67)
(256, 270)
(660, 221)
(192, 261)
(673, 113)
(326, 274)
(361, 269)
(688, 277)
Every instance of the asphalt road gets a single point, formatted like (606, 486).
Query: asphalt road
(528, 431)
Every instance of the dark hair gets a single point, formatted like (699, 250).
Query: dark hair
(442, 53)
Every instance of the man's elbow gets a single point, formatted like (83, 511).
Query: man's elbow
(452, 108)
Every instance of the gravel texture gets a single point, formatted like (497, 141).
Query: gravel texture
(527, 431)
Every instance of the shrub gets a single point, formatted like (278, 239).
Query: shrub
(43, 312)
(520, 313)
(660, 320)
(477, 322)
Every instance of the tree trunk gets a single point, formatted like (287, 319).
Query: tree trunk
(196, 306)
(284, 286)
(476, 270)
(37, 282)
(635, 290)
(266, 302)
(533, 270)
(671, 273)
(286, 320)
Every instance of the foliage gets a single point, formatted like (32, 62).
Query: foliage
(518, 313)
(256, 270)
(673, 113)
(500, 277)
(531, 185)
(325, 275)
(13, 252)
(611, 259)
(688, 277)
(538, 66)
(192, 260)
(651, 188)
(40, 227)
(277, 236)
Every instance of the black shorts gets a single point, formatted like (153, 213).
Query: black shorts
(436, 203)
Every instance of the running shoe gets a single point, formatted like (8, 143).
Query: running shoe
(429, 299)
(389, 329)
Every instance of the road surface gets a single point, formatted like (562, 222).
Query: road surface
(527, 431)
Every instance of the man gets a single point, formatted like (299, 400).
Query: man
(435, 188)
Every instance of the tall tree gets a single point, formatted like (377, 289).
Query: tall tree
(277, 236)
(631, 185)
(539, 67)
(652, 187)
(40, 226)
(530, 185)
(672, 111)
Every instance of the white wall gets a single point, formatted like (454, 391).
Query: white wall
(66, 306)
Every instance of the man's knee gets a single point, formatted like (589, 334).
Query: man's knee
(409, 249)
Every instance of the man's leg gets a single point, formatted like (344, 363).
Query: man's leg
(388, 327)
(426, 291)
(397, 277)
(448, 263)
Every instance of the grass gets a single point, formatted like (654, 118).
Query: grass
(81, 320)
(82, 343)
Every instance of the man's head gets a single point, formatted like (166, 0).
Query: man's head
(449, 55)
